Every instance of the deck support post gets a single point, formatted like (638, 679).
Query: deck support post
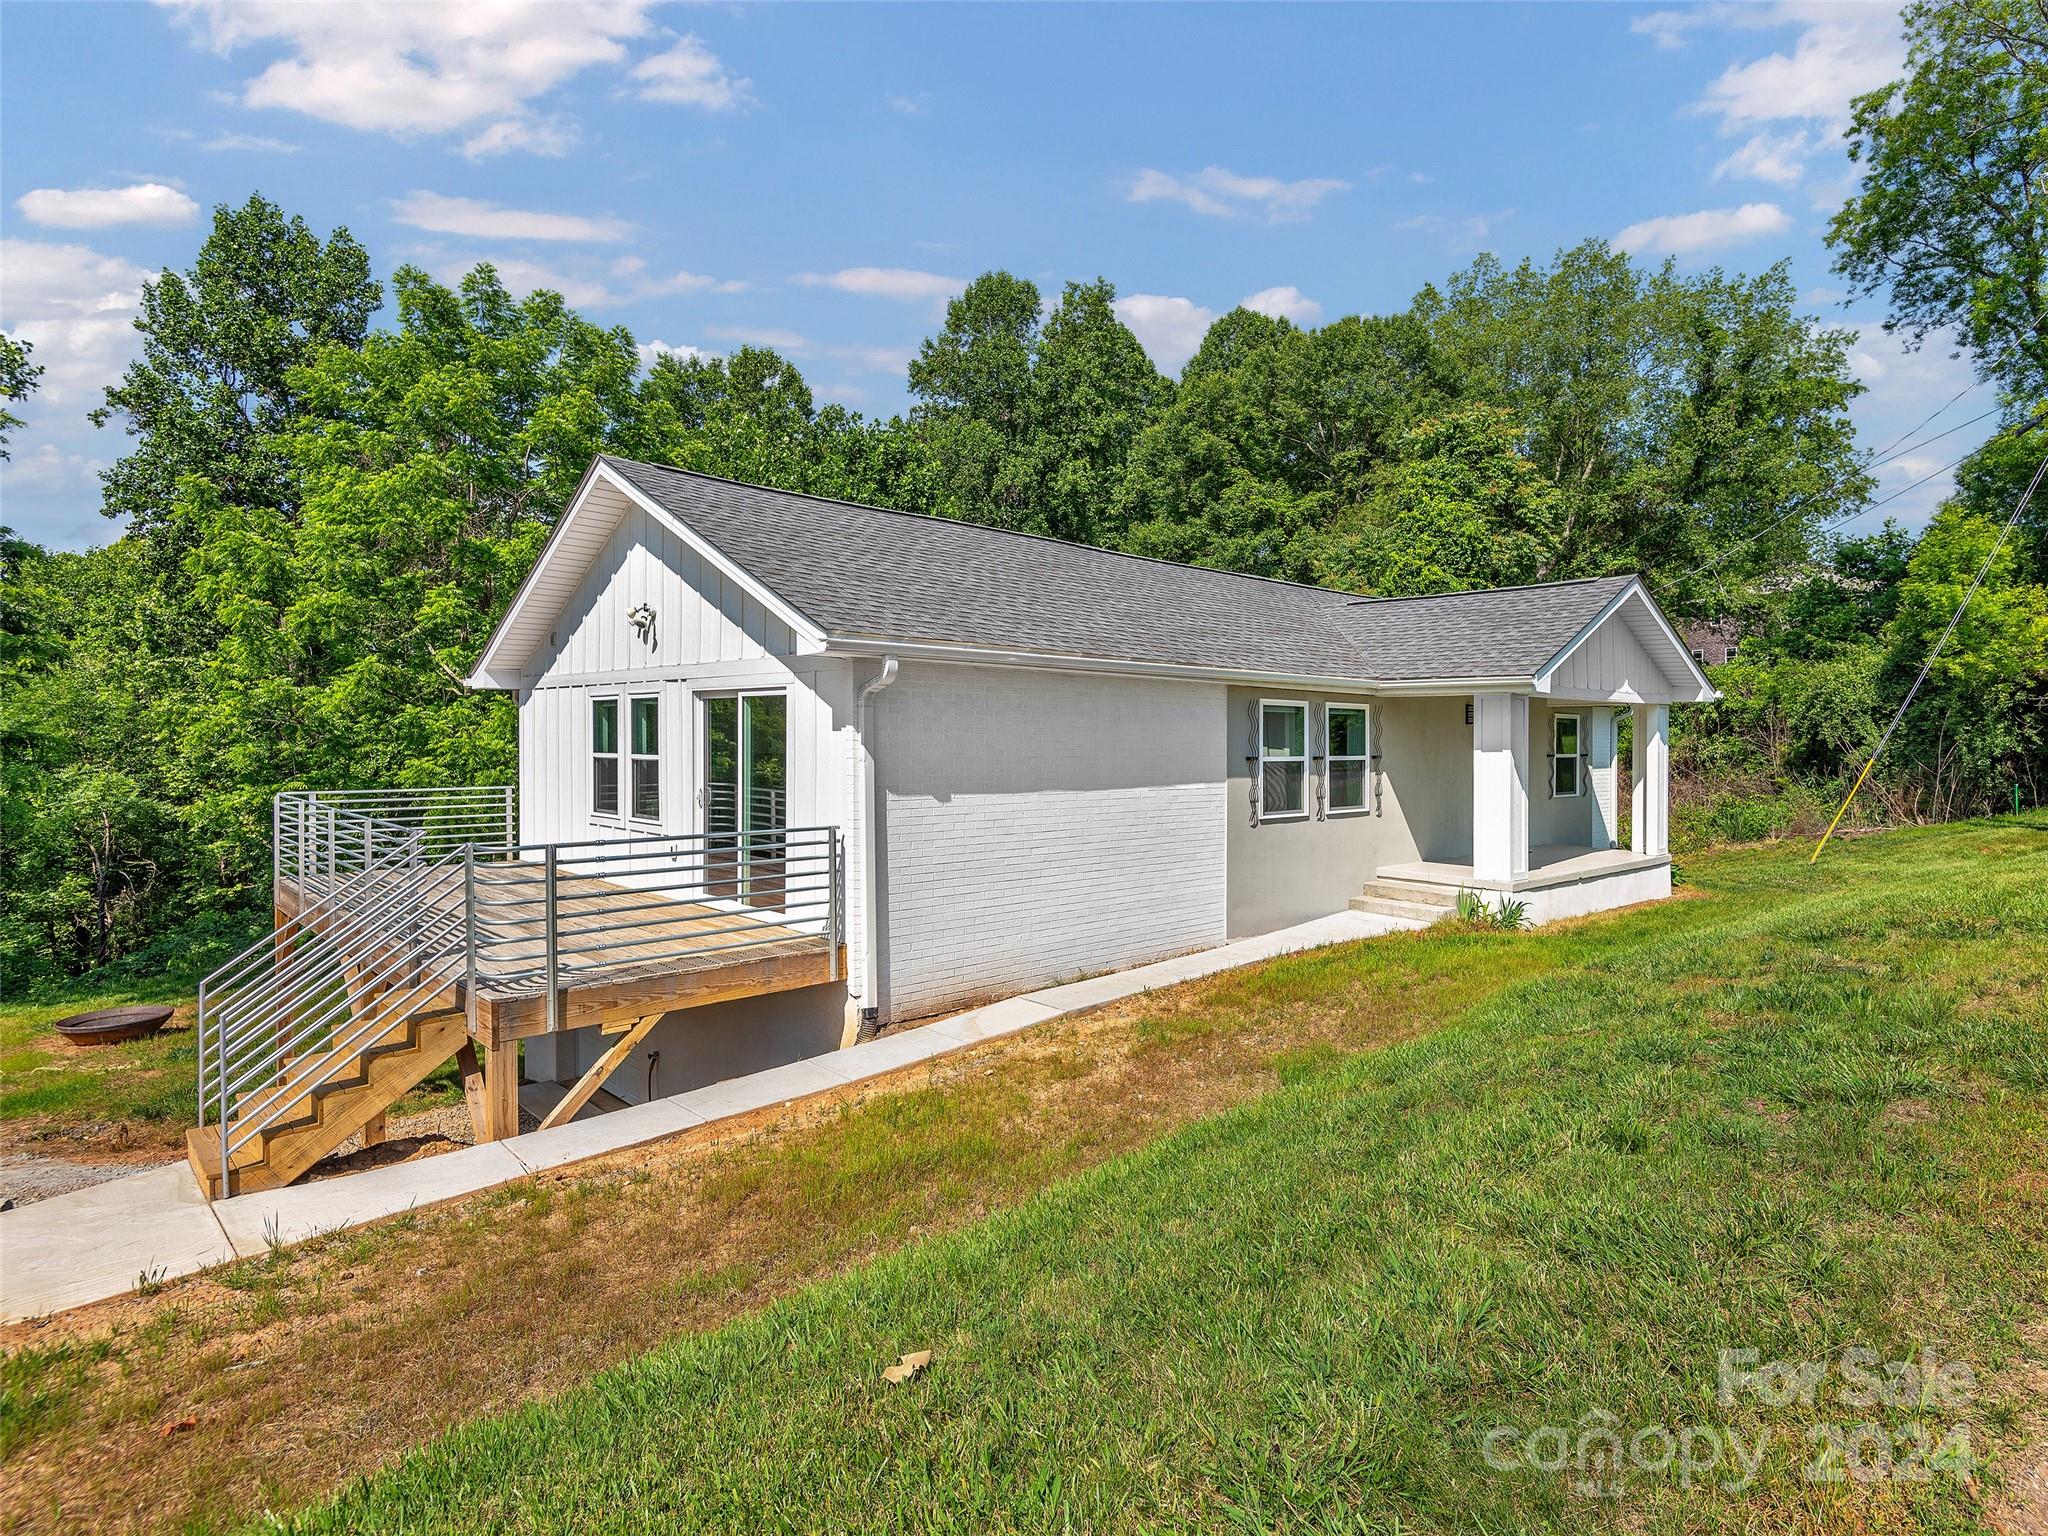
(474, 1095)
(501, 1090)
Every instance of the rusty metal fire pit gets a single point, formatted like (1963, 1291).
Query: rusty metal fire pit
(105, 1026)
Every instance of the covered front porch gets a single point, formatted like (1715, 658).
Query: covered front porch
(1546, 826)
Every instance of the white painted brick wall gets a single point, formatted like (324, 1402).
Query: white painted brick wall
(1041, 826)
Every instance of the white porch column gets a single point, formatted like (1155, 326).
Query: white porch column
(1650, 796)
(1600, 734)
(1500, 786)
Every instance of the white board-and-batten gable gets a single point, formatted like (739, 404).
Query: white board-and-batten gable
(615, 559)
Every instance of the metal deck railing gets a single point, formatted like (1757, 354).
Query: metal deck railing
(418, 899)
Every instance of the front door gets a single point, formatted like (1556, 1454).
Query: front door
(746, 795)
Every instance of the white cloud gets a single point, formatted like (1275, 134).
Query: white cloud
(1776, 158)
(1840, 52)
(1461, 232)
(1679, 233)
(1222, 194)
(906, 285)
(875, 359)
(690, 75)
(50, 468)
(584, 284)
(1168, 328)
(392, 66)
(254, 142)
(492, 221)
(149, 202)
(651, 350)
(908, 105)
(688, 282)
(77, 308)
(761, 336)
(1667, 29)
(552, 136)
(1284, 303)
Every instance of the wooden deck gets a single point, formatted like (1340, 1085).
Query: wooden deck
(659, 955)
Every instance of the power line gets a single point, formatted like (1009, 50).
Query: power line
(1927, 666)
(1952, 399)
(1872, 506)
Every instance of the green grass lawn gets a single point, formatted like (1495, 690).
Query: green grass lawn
(1803, 1113)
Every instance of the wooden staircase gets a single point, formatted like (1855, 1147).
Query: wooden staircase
(315, 1103)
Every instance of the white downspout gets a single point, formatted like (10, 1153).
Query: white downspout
(871, 964)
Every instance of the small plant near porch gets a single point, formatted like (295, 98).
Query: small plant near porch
(1474, 909)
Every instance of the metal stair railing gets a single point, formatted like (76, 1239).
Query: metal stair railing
(382, 929)
(405, 896)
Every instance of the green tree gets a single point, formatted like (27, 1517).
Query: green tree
(1679, 417)
(1093, 390)
(1980, 723)
(211, 393)
(1272, 432)
(1949, 217)
(973, 386)
(18, 378)
(1459, 508)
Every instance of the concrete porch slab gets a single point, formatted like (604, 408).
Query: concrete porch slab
(1561, 864)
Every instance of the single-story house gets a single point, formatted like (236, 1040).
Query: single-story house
(1044, 760)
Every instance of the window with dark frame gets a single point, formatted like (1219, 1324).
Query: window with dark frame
(1350, 734)
(1283, 760)
(1565, 778)
(604, 757)
(646, 758)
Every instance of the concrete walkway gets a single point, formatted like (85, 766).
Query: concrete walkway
(116, 1237)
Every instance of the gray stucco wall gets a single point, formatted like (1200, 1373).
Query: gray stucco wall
(1426, 775)
(696, 1046)
(1284, 872)
(1553, 820)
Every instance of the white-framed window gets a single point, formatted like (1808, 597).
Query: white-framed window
(1566, 743)
(1348, 767)
(604, 757)
(1283, 759)
(644, 754)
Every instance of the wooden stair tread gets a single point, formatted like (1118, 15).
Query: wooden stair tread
(363, 1086)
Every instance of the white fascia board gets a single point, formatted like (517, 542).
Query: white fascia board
(490, 671)
(1704, 691)
(487, 673)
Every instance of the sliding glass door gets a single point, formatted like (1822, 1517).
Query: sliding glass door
(746, 795)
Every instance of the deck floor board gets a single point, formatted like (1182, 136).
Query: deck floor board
(618, 946)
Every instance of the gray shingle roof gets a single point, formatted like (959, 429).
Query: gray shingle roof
(866, 573)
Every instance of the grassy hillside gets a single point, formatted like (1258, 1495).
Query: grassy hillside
(1802, 1112)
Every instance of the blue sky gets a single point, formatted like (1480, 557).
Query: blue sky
(820, 178)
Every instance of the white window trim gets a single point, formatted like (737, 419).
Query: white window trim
(1579, 772)
(1265, 758)
(619, 726)
(1331, 758)
(628, 757)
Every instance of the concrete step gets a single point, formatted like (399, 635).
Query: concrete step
(1387, 906)
(1412, 890)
